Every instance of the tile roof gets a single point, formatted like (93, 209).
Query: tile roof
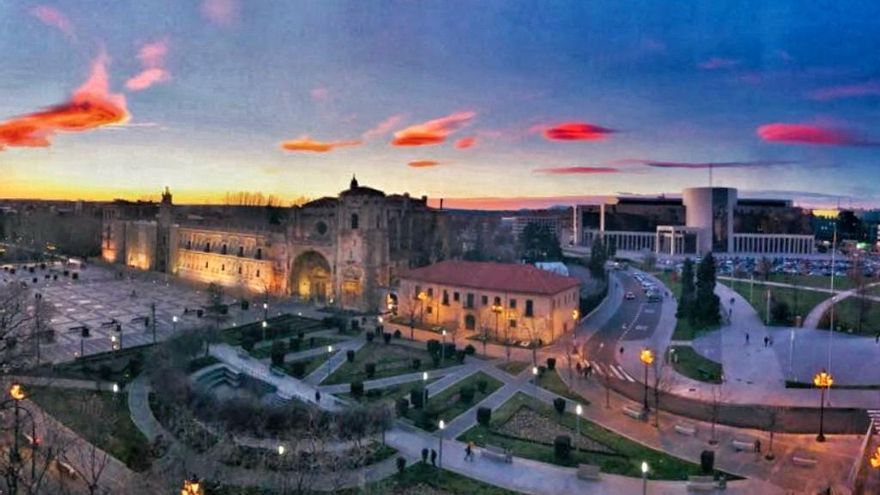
(506, 277)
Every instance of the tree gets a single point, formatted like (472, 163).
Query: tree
(598, 258)
(664, 381)
(706, 310)
(16, 323)
(539, 243)
(686, 297)
(764, 267)
(780, 312)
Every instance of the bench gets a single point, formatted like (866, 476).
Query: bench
(633, 413)
(686, 429)
(701, 484)
(497, 453)
(588, 472)
(804, 461)
(743, 444)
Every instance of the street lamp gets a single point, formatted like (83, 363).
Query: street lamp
(264, 325)
(329, 349)
(422, 298)
(113, 343)
(441, 425)
(425, 388)
(174, 324)
(497, 309)
(443, 347)
(578, 411)
(875, 459)
(535, 376)
(644, 478)
(192, 487)
(647, 357)
(281, 450)
(823, 380)
(115, 388)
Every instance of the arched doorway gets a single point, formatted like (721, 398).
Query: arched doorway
(470, 323)
(311, 277)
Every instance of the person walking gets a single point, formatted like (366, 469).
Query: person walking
(758, 448)
(433, 457)
(747, 338)
(317, 396)
(469, 452)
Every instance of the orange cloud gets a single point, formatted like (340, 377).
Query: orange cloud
(152, 57)
(423, 163)
(91, 106)
(306, 144)
(432, 132)
(223, 13)
(53, 17)
(779, 132)
(383, 127)
(466, 142)
(577, 131)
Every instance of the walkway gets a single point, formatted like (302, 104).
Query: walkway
(815, 315)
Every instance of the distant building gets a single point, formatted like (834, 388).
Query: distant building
(504, 300)
(704, 219)
(556, 221)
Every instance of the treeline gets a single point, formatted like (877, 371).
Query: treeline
(697, 301)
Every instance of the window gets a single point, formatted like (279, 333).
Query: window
(207, 247)
(430, 292)
(223, 249)
(239, 269)
(469, 302)
(240, 251)
(417, 292)
(206, 264)
(485, 300)
(496, 302)
(189, 244)
(445, 298)
(258, 273)
(511, 323)
(529, 308)
(222, 268)
(354, 221)
(513, 304)
(456, 296)
(429, 309)
(259, 255)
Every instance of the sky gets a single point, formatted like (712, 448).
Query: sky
(488, 104)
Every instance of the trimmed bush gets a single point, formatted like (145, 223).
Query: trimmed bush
(401, 464)
(424, 456)
(482, 385)
(562, 447)
(370, 337)
(433, 347)
(349, 356)
(402, 406)
(357, 389)
(466, 394)
(298, 368)
(294, 344)
(248, 342)
(484, 416)
(559, 405)
(416, 363)
(417, 398)
(278, 350)
(449, 350)
(460, 355)
(374, 393)
(707, 461)
(551, 363)
(397, 334)
(370, 369)
(470, 350)
(386, 337)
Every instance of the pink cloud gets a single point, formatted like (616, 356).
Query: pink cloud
(223, 13)
(305, 143)
(575, 131)
(433, 131)
(153, 54)
(384, 127)
(320, 94)
(152, 57)
(577, 170)
(716, 63)
(779, 132)
(147, 78)
(466, 142)
(53, 17)
(870, 88)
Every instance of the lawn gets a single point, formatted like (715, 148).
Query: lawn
(820, 281)
(388, 394)
(448, 404)
(799, 301)
(279, 327)
(846, 316)
(551, 380)
(625, 456)
(692, 365)
(102, 418)
(265, 350)
(306, 366)
(390, 359)
(118, 366)
(513, 367)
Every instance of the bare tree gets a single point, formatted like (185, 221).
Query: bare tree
(663, 382)
(719, 395)
(16, 321)
(772, 423)
(533, 329)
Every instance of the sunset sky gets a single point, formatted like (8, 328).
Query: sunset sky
(536, 103)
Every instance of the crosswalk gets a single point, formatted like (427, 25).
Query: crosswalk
(874, 414)
(612, 370)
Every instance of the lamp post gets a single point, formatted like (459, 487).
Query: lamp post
(425, 388)
(174, 324)
(823, 380)
(153, 319)
(192, 487)
(441, 425)
(647, 357)
(264, 325)
(578, 411)
(443, 347)
(281, 450)
(535, 376)
(422, 298)
(644, 478)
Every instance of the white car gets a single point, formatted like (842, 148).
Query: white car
(629, 296)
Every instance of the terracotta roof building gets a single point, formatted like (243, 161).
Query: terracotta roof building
(501, 301)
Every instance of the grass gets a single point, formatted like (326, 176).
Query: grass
(799, 301)
(513, 367)
(279, 327)
(819, 281)
(387, 394)
(311, 364)
(307, 343)
(846, 316)
(102, 418)
(119, 366)
(390, 359)
(626, 460)
(447, 405)
(551, 380)
(689, 363)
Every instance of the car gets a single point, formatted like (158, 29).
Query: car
(629, 296)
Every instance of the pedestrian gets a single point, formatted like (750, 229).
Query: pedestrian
(589, 370)
(747, 338)
(579, 368)
(433, 457)
(469, 451)
(758, 448)
(317, 395)
(766, 340)
(621, 350)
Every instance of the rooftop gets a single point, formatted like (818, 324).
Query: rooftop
(506, 277)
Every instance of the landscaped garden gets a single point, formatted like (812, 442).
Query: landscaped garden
(450, 403)
(283, 326)
(786, 303)
(695, 366)
(513, 367)
(532, 429)
(380, 360)
(854, 315)
(550, 379)
(102, 418)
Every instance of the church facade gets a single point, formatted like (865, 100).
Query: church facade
(344, 251)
